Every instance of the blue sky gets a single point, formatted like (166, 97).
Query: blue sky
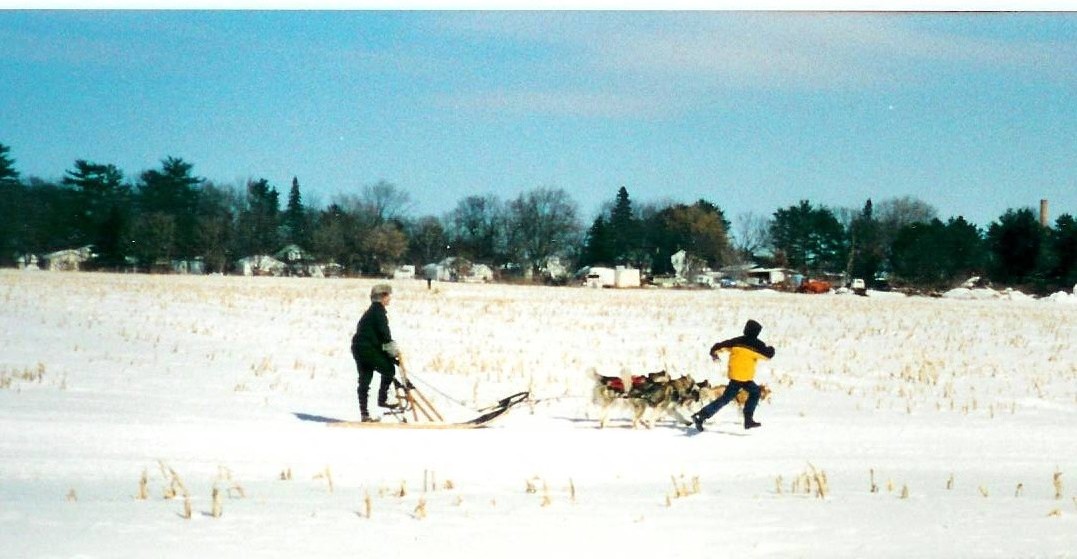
(754, 111)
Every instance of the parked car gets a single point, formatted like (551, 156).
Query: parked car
(858, 287)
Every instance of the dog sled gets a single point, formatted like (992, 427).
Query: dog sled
(412, 403)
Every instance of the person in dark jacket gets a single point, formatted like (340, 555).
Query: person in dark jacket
(744, 353)
(374, 349)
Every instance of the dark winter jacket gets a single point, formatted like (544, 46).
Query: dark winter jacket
(745, 351)
(371, 335)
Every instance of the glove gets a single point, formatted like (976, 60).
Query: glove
(392, 349)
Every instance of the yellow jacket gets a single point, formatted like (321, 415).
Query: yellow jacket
(744, 352)
(742, 362)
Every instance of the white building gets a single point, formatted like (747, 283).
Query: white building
(624, 276)
(260, 265)
(621, 276)
(68, 260)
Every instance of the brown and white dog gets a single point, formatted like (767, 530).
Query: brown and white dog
(713, 393)
(649, 397)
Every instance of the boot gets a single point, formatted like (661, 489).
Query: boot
(367, 419)
(389, 406)
(697, 420)
(750, 423)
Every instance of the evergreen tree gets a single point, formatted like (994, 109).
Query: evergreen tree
(9, 176)
(965, 254)
(1062, 267)
(615, 237)
(1064, 243)
(624, 230)
(168, 203)
(808, 239)
(1015, 242)
(917, 255)
(295, 217)
(12, 201)
(598, 246)
(259, 221)
(865, 247)
(934, 255)
(154, 239)
(104, 209)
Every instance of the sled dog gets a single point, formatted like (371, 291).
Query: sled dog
(649, 397)
(742, 396)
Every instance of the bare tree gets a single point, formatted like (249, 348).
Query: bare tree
(475, 228)
(750, 234)
(383, 247)
(427, 240)
(542, 223)
(383, 201)
(895, 213)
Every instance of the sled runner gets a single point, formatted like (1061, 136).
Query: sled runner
(410, 399)
(396, 425)
(489, 414)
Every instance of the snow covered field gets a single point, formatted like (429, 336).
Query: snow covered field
(898, 427)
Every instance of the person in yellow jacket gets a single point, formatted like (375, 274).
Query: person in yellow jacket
(744, 353)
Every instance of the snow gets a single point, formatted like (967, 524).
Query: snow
(941, 425)
(983, 294)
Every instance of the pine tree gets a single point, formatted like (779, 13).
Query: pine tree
(808, 239)
(8, 175)
(598, 248)
(865, 249)
(168, 202)
(1015, 242)
(295, 217)
(1063, 246)
(260, 220)
(11, 199)
(102, 198)
(623, 228)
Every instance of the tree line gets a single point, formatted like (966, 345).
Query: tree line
(169, 213)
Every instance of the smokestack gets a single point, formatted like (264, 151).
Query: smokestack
(1043, 213)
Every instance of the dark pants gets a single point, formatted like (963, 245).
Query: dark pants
(366, 374)
(731, 391)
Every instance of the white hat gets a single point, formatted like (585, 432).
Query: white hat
(380, 290)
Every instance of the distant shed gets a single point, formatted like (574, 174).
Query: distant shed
(619, 277)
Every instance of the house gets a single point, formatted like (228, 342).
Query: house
(624, 276)
(707, 279)
(291, 253)
(737, 274)
(554, 270)
(27, 262)
(480, 273)
(260, 265)
(192, 266)
(621, 276)
(458, 269)
(407, 271)
(751, 274)
(598, 276)
(766, 276)
(68, 260)
(298, 262)
(328, 270)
